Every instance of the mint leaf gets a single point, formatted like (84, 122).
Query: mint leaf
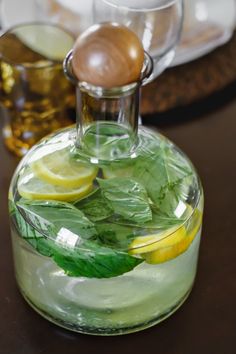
(52, 218)
(95, 207)
(27, 232)
(86, 258)
(159, 222)
(164, 175)
(41, 245)
(127, 197)
(92, 260)
(116, 235)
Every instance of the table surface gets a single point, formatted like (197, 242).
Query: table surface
(206, 322)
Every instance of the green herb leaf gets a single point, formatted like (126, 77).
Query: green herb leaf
(163, 175)
(95, 207)
(158, 222)
(52, 218)
(116, 235)
(92, 260)
(85, 258)
(33, 237)
(128, 198)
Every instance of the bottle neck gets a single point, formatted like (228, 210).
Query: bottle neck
(107, 121)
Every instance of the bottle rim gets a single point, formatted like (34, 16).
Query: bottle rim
(99, 91)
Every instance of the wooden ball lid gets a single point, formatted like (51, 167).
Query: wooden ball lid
(108, 55)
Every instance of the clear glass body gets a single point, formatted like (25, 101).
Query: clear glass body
(158, 23)
(137, 265)
(125, 304)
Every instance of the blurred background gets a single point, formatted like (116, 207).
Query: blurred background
(207, 23)
(187, 42)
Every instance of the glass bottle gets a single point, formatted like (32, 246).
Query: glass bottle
(106, 218)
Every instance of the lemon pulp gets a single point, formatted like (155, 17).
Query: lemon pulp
(60, 169)
(32, 187)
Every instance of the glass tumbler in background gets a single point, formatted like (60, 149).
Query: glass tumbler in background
(34, 94)
(158, 23)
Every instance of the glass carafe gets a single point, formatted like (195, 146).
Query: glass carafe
(106, 218)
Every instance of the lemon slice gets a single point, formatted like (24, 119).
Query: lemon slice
(167, 245)
(146, 244)
(31, 187)
(58, 168)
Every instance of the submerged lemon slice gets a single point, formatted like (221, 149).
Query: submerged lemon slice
(147, 244)
(169, 244)
(59, 168)
(31, 187)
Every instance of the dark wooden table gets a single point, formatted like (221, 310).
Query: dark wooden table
(206, 323)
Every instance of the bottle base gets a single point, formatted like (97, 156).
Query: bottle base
(107, 331)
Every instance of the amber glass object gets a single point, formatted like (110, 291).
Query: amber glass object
(35, 96)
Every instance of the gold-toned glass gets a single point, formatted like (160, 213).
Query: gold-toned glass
(35, 96)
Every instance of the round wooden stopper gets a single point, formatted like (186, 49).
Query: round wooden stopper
(108, 55)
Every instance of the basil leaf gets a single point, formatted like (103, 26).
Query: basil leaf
(52, 218)
(127, 197)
